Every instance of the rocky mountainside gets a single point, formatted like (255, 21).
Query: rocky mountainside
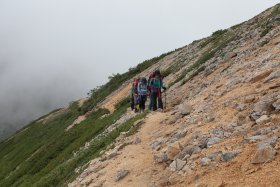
(221, 125)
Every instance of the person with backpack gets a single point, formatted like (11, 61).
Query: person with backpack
(155, 86)
(132, 90)
(142, 93)
(134, 95)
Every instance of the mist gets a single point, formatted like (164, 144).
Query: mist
(54, 51)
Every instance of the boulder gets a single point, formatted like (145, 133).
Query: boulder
(263, 120)
(264, 154)
(265, 104)
(171, 152)
(160, 157)
(253, 139)
(229, 156)
(255, 115)
(273, 75)
(185, 109)
(137, 140)
(177, 165)
(205, 161)
(276, 105)
(213, 141)
(121, 174)
(171, 120)
(186, 151)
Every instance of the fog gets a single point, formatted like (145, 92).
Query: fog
(55, 51)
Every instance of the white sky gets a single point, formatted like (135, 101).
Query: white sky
(54, 51)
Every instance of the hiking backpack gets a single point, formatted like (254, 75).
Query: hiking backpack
(143, 87)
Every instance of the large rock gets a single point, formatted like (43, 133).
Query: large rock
(265, 103)
(255, 115)
(205, 161)
(177, 165)
(171, 120)
(185, 109)
(186, 151)
(253, 139)
(273, 75)
(229, 156)
(121, 174)
(263, 120)
(276, 105)
(213, 141)
(160, 157)
(264, 154)
(172, 151)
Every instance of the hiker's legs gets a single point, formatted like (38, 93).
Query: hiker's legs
(155, 102)
(151, 102)
(142, 102)
(160, 104)
(136, 104)
(132, 103)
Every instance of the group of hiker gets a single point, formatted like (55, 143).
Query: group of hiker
(142, 88)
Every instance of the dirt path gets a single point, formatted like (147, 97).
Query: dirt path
(137, 159)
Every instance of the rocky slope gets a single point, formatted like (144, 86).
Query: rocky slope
(221, 126)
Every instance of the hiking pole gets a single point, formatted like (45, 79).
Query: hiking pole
(165, 100)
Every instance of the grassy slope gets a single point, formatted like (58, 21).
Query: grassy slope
(41, 154)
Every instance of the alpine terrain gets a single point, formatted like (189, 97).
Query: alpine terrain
(220, 125)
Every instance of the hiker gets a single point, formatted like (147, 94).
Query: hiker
(155, 85)
(132, 90)
(142, 93)
(134, 95)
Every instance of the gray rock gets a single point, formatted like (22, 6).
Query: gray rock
(270, 141)
(137, 140)
(233, 82)
(185, 109)
(265, 104)
(217, 132)
(276, 105)
(171, 152)
(186, 151)
(205, 161)
(277, 17)
(156, 143)
(263, 120)
(265, 131)
(241, 107)
(213, 141)
(264, 154)
(160, 157)
(172, 120)
(229, 156)
(255, 115)
(256, 138)
(177, 165)
(121, 174)
(214, 155)
(273, 75)
(209, 118)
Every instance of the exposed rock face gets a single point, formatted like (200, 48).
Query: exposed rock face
(264, 154)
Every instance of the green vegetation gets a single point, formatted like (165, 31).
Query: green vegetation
(218, 41)
(214, 39)
(43, 155)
